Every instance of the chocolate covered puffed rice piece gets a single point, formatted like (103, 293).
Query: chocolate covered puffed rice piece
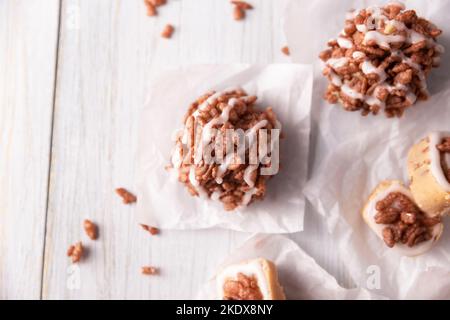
(220, 150)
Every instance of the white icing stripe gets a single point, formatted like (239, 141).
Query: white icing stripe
(177, 158)
(249, 269)
(352, 93)
(248, 196)
(398, 25)
(248, 175)
(212, 99)
(381, 39)
(185, 138)
(435, 157)
(222, 119)
(362, 28)
(335, 79)
(415, 37)
(411, 97)
(368, 68)
(337, 63)
(192, 177)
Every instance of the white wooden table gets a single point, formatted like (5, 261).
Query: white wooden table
(73, 77)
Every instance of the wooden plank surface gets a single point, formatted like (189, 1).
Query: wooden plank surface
(108, 52)
(28, 42)
(104, 67)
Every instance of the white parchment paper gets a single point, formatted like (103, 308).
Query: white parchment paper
(166, 203)
(308, 27)
(352, 154)
(301, 277)
(339, 190)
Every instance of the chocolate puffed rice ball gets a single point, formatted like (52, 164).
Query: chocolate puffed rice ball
(381, 60)
(228, 126)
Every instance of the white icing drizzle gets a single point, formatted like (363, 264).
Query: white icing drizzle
(335, 79)
(345, 43)
(185, 137)
(411, 97)
(351, 92)
(192, 177)
(415, 37)
(371, 211)
(177, 158)
(248, 175)
(248, 196)
(362, 28)
(212, 99)
(337, 63)
(435, 157)
(368, 68)
(358, 55)
(398, 25)
(383, 40)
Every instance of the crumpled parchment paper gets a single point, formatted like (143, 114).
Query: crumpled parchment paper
(164, 202)
(299, 274)
(352, 154)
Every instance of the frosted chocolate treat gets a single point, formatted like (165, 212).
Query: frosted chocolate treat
(227, 149)
(381, 60)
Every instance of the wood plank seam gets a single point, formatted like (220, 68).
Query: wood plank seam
(55, 82)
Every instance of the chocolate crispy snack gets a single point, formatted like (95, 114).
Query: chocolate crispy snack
(214, 164)
(392, 213)
(381, 60)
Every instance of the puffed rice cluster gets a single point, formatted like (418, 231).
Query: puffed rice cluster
(234, 184)
(381, 60)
